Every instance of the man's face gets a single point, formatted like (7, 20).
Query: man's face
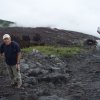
(7, 41)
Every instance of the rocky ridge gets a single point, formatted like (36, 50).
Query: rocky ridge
(54, 78)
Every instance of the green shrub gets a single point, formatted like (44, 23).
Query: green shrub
(53, 50)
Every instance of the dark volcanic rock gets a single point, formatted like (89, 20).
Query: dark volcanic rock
(41, 36)
(54, 78)
(35, 72)
(54, 97)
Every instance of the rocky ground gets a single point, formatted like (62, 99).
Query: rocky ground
(53, 78)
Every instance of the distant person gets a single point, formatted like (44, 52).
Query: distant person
(98, 30)
(12, 53)
(98, 45)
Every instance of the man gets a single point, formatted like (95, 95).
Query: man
(12, 54)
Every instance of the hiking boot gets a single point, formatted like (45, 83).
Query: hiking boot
(19, 83)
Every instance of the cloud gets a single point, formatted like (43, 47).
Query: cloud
(77, 15)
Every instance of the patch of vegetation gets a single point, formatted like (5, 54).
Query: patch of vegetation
(4, 23)
(53, 50)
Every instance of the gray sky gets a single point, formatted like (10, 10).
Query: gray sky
(77, 15)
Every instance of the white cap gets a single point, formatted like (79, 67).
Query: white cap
(6, 36)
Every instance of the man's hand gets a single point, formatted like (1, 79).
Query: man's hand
(18, 67)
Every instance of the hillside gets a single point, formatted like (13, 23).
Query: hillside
(4, 23)
(45, 36)
(59, 68)
(28, 36)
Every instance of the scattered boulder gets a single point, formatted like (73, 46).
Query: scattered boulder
(35, 51)
(90, 42)
(55, 78)
(54, 69)
(54, 97)
(34, 72)
(30, 80)
(24, 67)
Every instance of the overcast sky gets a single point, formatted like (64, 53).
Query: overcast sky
(77, 15)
